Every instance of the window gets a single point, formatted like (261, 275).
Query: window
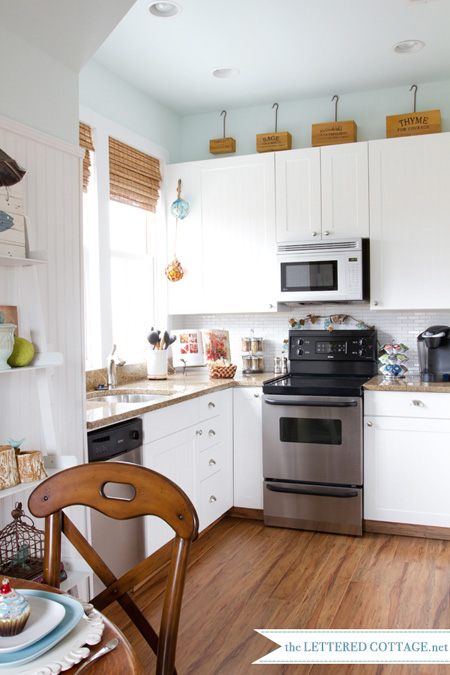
(119, 251)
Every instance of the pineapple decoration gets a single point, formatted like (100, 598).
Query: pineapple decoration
(179, 209)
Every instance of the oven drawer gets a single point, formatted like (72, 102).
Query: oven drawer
(303, 506)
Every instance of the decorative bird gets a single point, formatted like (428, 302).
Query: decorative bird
(15, 444)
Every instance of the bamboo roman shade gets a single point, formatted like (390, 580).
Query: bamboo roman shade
(134, 177)
(87, 144)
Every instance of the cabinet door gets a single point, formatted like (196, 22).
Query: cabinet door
(226, 244)
(410, 222)
(248, 473)
(297, 181)
(345, 190)
(238, 230)
(406, 469)
(174, 457)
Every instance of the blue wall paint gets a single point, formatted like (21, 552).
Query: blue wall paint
(368, 109)
(187, 138)
(112, 97)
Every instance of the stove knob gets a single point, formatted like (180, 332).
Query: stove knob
(363, 342)
(300, 341)
(300, 352)
(362, 352)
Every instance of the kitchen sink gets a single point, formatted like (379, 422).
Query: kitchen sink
(127, 398)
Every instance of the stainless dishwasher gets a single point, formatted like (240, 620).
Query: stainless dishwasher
(119, 542)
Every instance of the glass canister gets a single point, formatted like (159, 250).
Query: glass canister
(245, 344)
(256, 345)
(246, 363)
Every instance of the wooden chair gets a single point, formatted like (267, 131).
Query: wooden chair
(154, 495)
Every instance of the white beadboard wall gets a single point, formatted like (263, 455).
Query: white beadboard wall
(273, 328)
(52, 205)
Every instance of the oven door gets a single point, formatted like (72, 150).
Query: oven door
(313, 439)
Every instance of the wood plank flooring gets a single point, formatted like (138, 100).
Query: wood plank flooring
(243, 575)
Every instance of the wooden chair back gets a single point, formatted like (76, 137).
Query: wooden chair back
(154, 495)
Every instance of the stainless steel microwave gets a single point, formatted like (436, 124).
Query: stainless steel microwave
(323, 271)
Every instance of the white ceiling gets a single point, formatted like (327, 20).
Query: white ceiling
(285, 49)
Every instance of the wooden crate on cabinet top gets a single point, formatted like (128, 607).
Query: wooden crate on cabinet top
(413, 124)
(333, 133)
(279, 140)
(222, 146)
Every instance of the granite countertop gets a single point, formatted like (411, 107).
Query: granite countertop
(410, 383)
(175, 389)
(196, 382)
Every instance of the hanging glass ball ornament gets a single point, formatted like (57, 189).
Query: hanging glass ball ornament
(179, 209)
(174, 271)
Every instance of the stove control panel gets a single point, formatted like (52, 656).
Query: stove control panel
(340, 345)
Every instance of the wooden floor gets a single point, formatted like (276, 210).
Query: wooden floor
(243, 575)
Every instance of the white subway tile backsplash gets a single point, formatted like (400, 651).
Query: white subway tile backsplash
(273, 328)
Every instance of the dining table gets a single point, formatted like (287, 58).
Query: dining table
(123, 659)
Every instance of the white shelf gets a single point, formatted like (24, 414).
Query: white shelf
(74, 578)
(53, 464)
(38, 259)
(40, 360)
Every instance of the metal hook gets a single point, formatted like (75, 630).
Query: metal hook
(335, 106)
(414, 86)
(224, 113)
(276, 115)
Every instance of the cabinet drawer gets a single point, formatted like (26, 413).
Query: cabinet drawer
(165, 421)
(214, 404)
(211, 432)
(211, 460)
(215, 498)
(407, 404)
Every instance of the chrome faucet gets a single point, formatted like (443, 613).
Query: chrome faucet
(113, 361)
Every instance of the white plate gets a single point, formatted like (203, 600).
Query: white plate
(68, 652)
(45, 616)
(74, 613)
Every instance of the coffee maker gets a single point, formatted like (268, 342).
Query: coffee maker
(434, 354)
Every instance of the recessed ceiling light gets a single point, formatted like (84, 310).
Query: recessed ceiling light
(408, 46)
(164, 9)
(225, 72)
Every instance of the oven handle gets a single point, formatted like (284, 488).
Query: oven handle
(318, 404)
(306, 491)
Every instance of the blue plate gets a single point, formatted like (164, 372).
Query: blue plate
(74, 612)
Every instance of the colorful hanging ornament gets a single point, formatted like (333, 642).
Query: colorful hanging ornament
(179, 209)
(174, 271)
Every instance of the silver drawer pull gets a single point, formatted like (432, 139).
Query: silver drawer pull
(417, 403)
(199, 432)
(212, 462)
(211, 432)
(256, 395)
(369, 424)
(211, 405)
(212, 499)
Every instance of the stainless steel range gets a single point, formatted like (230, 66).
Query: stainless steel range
(313, 433)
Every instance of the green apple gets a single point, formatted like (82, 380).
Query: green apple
(22, 353)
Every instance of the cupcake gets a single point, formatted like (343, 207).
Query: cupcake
(14, 611)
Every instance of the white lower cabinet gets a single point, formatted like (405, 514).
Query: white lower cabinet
(197, 455)
(407, 458)
(248, 473)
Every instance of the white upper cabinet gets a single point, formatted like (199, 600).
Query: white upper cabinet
(298, 211)
(226, 244)
(322, 193)
(410, 222)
